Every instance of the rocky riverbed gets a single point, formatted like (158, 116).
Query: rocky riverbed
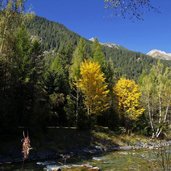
(142, 159)
(15, 156)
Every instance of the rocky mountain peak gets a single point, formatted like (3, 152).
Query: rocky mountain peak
(155, 53)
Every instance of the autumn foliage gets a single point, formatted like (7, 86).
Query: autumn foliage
(93, 86)
(128, 98)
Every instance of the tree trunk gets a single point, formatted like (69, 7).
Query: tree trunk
(160, 109)
(150, 118)
(77, 106)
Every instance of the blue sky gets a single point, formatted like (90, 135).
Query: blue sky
(89, 19)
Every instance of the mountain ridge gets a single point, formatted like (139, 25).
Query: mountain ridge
(108, 44)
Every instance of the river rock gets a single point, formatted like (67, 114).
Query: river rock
(151, 147)
(53, 168)
(94, 169)
(97, 159)
(126, 148)
(46, 163)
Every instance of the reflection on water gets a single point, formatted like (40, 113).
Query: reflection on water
(117, 161)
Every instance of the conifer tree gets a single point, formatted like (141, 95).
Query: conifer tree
(79, 55)
(98, 55)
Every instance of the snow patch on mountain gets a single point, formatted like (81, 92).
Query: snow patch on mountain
(159, 54)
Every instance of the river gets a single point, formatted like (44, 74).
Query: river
(135, 160)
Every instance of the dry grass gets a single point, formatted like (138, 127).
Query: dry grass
(26, 146)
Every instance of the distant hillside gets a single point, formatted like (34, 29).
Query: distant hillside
(56, 36)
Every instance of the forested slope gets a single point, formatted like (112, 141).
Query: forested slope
(55, 36)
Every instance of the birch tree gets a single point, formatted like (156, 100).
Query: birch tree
(156, 97)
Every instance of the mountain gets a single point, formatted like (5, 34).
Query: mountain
(57, 38)
(110, 45)
(158, 54)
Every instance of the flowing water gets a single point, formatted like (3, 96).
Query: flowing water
(139, 160)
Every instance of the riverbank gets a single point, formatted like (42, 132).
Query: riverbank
(56, 143)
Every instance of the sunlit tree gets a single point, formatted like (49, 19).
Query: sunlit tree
(92, 84)
(156, 97)
(12, 16)
(128, 100)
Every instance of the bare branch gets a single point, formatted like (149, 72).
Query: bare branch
(132, 9)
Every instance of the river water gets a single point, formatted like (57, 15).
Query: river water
(139, 160)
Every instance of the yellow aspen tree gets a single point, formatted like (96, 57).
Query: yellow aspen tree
(128, 98)
(92, 84)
